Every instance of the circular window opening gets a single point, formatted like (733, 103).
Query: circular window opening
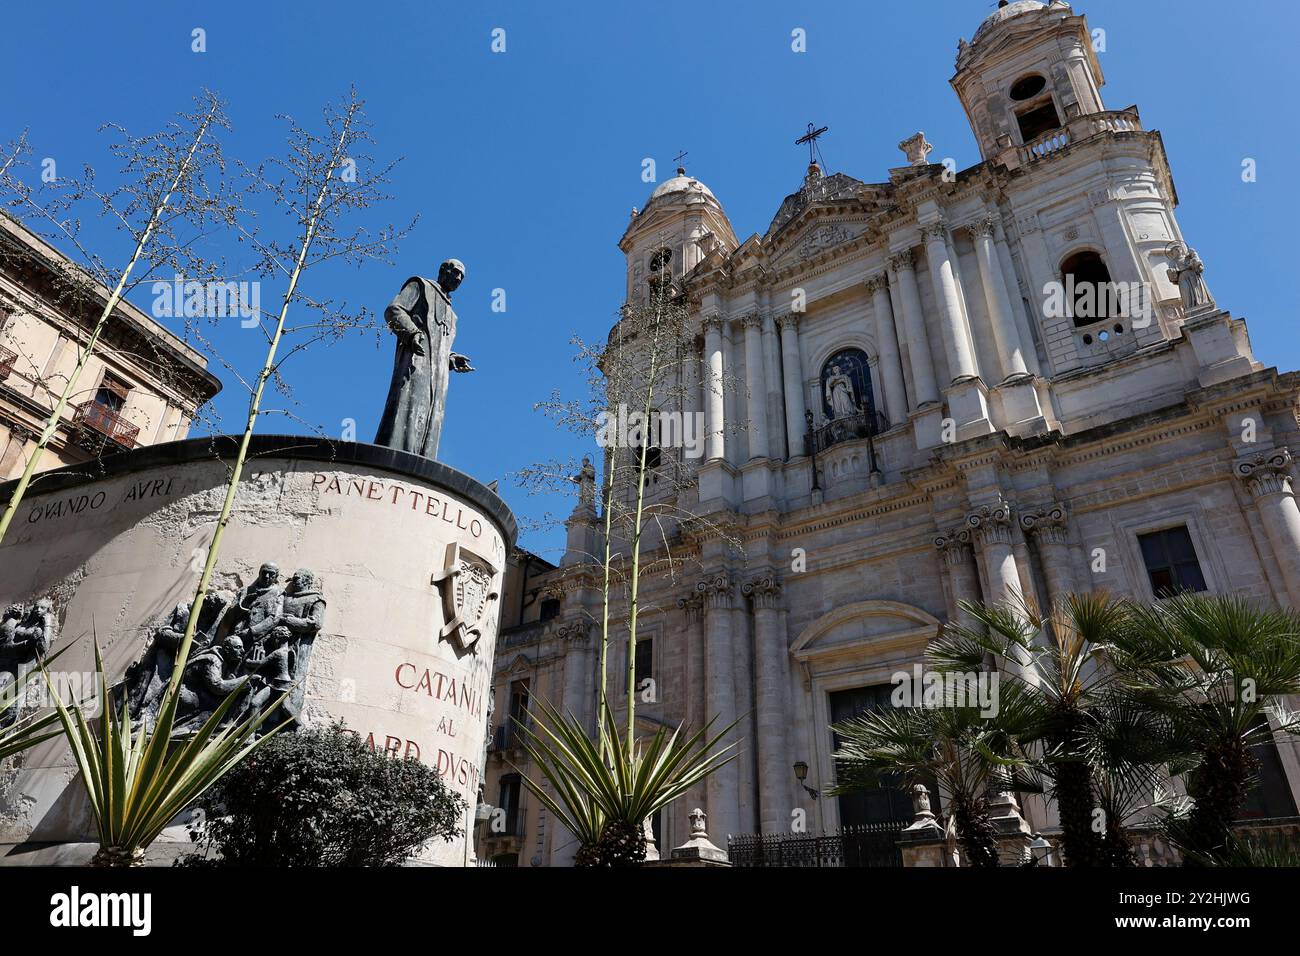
(1027, 86)
(1119, 329)
(1104, 335)
(1087, 340)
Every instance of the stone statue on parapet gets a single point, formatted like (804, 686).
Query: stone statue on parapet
(422, 319)
(1187, 271)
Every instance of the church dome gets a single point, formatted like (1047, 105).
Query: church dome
(1008, 11)
(682, 188)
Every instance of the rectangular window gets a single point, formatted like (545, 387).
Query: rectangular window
(112, 392)
(645, 656)
(509, 802)
(1171, 562)
(516, 714)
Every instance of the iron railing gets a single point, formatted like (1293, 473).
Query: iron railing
(106, 422)
(866, 424)
(872, 845)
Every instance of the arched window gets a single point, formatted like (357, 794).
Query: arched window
(661, 260)
(1088, 289)
(846, 385)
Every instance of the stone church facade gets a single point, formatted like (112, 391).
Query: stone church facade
(993, 442)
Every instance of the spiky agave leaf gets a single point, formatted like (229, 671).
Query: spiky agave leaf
(599, 786)
(138, 780)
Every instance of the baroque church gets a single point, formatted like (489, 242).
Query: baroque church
(914, 394)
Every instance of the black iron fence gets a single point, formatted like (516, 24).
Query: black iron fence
(867, 845)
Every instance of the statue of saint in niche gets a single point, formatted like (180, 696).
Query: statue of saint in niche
(839, 394)
(422, 319)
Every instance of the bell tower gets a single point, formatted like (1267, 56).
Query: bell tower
(1028, 71)
(681, 225)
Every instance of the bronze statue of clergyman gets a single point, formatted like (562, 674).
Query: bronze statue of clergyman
(422, 319)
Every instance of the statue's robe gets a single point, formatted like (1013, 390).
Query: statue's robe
(417, 396)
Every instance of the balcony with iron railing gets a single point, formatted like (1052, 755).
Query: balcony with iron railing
(7, 359)
(100, 423)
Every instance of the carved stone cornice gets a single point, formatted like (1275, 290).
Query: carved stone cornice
(717, 591)
(1047, 524)
(764, 591)
(955, 546)
(902, 261)
(877, 283)
(1268, 473)
(990, 524)
(573, 632)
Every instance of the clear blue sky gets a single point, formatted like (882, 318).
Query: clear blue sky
(525, 164)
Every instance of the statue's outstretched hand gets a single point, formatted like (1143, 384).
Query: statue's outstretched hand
(460, 363)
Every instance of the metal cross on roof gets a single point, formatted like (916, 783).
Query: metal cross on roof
(682, 154)
(810, 138)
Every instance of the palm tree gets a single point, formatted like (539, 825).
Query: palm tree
(1216, 667)
(965, 752)
(1060, 660)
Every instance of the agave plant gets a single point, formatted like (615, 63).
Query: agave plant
(1215, 666)
(967, 753)
(1060, 659)
(138, 780)
(26, 730)
(604, 790)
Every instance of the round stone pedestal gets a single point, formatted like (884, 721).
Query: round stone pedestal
(407, 555)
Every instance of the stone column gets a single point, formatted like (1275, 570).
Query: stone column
(1001, 317)
(991, 529)
(758, 447)
(776, 440)
(1047, 526)
(1011, 283)
(715, 445)
(961, 359)
(795, 406)
(923, 381)
(579, 686)
(963, 577)
(772, 677)
(891, 368)
(695, 710)
(722, 787)
(1268, 476)
(690, 377)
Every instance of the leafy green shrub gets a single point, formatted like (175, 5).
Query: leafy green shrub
(322, 798)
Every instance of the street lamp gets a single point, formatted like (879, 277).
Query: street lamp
(1040, 851)
(801, 774)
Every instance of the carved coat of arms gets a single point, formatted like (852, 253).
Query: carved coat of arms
(468, 597)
